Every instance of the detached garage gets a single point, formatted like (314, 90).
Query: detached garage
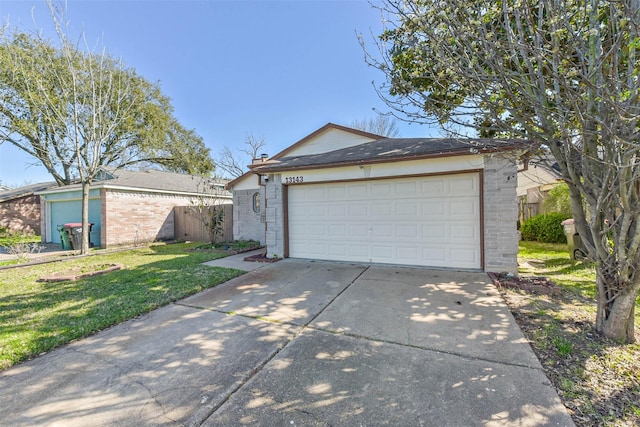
(345, 195)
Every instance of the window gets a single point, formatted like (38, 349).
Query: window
(256, 202)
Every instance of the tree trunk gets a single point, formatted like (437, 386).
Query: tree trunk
(85, 217)
(615, 317)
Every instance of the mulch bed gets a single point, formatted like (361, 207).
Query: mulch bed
(261, 258)
(77, 273)
(535, 284)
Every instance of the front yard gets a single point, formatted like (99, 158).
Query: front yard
(36, 317)
(597, 380)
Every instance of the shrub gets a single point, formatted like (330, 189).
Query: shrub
(545, 228)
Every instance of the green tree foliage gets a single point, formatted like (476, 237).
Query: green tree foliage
(74, 110)
(558, 200)
(545, 228)
(563, 74)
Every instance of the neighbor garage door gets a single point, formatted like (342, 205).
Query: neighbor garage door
(427, 221)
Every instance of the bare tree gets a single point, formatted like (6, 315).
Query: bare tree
(563, 74)
(235, 163)
(382, 124)
(208, 208)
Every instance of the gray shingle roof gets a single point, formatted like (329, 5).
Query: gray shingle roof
(154, 180)
(390, 149)
(26, 190)
(151, 180)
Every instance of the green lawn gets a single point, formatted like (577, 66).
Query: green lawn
(597, 380)
(8, 239)
(38, 316)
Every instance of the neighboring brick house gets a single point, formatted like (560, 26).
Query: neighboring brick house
(126, 207)
(346, 195)
(20, 208)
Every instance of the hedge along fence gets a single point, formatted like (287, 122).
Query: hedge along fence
(545, 228)
(188, 226)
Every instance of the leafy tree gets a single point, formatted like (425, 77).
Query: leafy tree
(76, 111)
(563, 74)
(382, 124)
(558, 200)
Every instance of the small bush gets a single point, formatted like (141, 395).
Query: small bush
(545, 228)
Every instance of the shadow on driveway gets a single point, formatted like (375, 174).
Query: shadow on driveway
(300, 343)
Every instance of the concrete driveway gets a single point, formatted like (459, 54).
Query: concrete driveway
(300, 343)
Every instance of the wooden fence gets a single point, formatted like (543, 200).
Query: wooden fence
(187, 225)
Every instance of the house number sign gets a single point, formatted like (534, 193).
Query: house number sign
(293, 180)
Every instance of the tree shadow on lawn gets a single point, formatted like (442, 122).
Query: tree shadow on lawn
(51, 314)
(596, 378)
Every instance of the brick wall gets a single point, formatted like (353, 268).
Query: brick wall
(137, 217)
(247, 223)
(21, 214)
(500, 214)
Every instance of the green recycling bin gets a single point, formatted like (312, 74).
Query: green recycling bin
(64, 238)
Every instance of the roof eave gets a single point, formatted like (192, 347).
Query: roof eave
(466, 152)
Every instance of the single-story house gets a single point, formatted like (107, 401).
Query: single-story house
(534, 183)
(20, 208)
(346, 195)
(126, 207)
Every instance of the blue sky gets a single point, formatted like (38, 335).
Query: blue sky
(277, 69)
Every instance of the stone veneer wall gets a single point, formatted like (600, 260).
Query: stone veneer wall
(137, 217)
(248, 224)
(500, 214)
(21, 214)
(275, 216)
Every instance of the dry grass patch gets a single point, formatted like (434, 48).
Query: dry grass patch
(598, 380)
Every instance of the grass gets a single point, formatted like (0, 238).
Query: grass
(9, 238)
(36, 317)
(597, 380)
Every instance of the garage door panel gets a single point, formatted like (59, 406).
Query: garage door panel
(381, 209)
(384, 253)
(406, 208)
(358, 230)
(408, 255)
(434, 255)
(406, 231)
(337, 193)
(337, 230)
(357, 191)
(429, 221)
(335, 210)
(463, 208)
(380, 190)
(358, 209)
(463, 186)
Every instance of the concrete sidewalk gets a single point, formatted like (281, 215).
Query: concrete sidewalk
(300, 343)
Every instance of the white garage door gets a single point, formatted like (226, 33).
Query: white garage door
(427, 221)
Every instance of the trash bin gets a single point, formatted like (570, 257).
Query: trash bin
(576, 248)
(64, 238)
(75, 231)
